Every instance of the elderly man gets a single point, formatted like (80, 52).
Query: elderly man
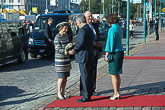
(97, 49)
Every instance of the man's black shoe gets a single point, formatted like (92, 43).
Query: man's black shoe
(83, 100)
(95, 94)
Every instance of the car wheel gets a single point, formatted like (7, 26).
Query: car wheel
(33, 55)
(22, 56)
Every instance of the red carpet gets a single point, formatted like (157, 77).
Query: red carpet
(145, 57)
(104, 101)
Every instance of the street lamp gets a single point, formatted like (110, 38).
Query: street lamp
(103, 8)
(144, 22)
(160, 16)
(127, 30)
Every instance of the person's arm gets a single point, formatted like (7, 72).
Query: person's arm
(110, 42)
(58, 46)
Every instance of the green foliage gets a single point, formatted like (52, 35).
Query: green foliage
(97, 8)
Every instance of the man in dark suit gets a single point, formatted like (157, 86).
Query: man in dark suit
(156, 29)
(97, 48)
(84, 56)
(48, 39)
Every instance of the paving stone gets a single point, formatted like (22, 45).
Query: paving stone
(104, 108)
(96, 108)
(138, 92)
(120, 108)
(137, 108)
(71, 108)
(112, 108)
(146, 108)
(56, 108)
(153, 91)
(129, 108)
(80, 108)
(162, 108)
(156, 108)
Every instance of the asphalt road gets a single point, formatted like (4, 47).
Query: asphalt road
(23, 86)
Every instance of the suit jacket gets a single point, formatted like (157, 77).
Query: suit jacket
(84, 45)
(48, 33)
(96, 27)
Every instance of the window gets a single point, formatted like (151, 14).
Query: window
(11, 7)
(18, 7)
(11, 1)
(5, 28)
(19, 1)
(4, 1)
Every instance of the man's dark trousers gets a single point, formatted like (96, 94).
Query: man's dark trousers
(157, 35)
(94, 74)
(49, 50)
(85, 79)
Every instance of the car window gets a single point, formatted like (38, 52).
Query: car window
(40, 23)
(5, 32)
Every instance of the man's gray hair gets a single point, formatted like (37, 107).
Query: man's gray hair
(81, 18)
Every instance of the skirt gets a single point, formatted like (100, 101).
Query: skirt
(115, 66)
(63, 74)
(131, 33)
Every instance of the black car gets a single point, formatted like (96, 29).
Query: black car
(13, 42)
(104, 31)
(37, 45)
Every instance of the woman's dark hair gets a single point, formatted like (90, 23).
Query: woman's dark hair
(112, 18)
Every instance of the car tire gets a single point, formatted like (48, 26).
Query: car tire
(22, 56)
(33, 55)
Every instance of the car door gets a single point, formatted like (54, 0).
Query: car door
(7, 42)
(1, 44)
(15, 39)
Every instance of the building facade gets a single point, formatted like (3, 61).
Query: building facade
(65, 5)
(52, 5)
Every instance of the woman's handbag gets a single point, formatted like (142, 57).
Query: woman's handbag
(110, 57)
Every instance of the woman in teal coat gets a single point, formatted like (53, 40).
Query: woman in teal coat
(114, 53)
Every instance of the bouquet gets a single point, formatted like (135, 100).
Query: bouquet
(69, 46)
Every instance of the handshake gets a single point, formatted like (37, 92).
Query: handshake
(69, 48)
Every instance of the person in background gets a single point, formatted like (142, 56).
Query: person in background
(74, 29)
(97, 48)
(48, 39)
(11, 33)
(62, 59)
(114, 53)
(156, 29)
(28, 27)
(24, 25)
(98, 20)
(131, 29)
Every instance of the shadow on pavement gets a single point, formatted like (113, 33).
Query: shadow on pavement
(29, 64)
(138, 89)
(7, 92)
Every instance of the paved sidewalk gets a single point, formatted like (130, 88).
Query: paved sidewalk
(140, 77)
